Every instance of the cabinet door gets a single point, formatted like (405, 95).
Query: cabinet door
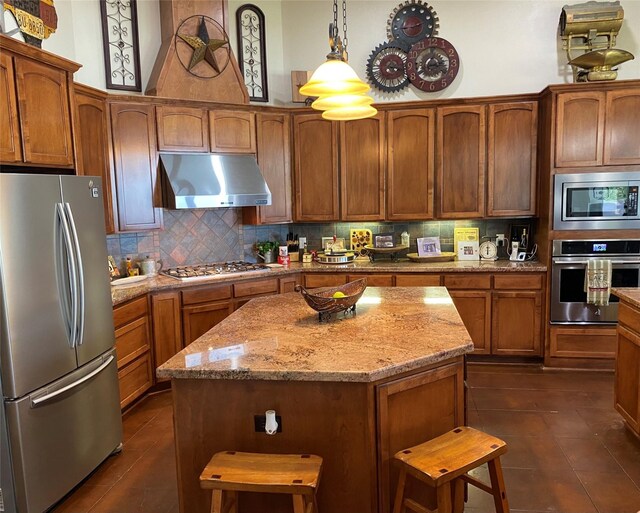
(167, 326)
(627, 385)
(274, 160)
(10, 148)
(315, 168)
(516, 323)
(579, 129)
(314, 280)
(460, 164)
(474, 307)
(232, 132)
(197, 320)
(362, 165)
(511, 159)
(374, 280)
(136, 166)
(93, 145)
(182, 129)
(43, 99)
(410, 164)
(622, 128)
(288, 284)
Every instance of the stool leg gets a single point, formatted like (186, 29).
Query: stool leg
(216, 501)
(402, 479)
(232, 497)
(457, 496)
(443, 494)
(298, 504)
(497, 485)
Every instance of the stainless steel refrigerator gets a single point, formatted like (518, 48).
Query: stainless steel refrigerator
(60, 415)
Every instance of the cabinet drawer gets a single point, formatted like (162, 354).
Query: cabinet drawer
(374, 280)
(324, 280)
(126, 313)
(526, 282)
(629, 317)
(417, 280)
(206, 295)
(467, 281)
(135, 379)
(583, 342)
(254, 288)
(132, 340)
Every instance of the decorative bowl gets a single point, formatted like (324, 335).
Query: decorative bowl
(323, 302)
(445, 256)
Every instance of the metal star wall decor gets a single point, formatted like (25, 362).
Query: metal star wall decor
(212, 50)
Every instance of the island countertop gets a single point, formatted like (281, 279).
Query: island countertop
(394, 330)
(629, 294)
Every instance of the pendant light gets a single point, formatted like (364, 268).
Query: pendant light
(340, 92)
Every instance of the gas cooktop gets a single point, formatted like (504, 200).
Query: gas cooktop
(189, 272)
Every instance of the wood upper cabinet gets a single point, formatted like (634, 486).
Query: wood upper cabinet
(167, 326)
(315, 168)
(232, 131)
(182, 129)
(511, 159)
(580, 128)
(622, 127)
(274, 160)
(93, 144)
(460, 162)
(10, 147)
(136, 166)
(362, 166)
(410, 164)
(516, 323)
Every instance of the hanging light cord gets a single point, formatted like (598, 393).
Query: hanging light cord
(338, 46)
(345, 41)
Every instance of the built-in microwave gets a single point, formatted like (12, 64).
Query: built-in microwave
(596, 201)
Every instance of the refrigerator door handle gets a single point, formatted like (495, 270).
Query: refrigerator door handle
(45, 398)
(80, 273)
(72, 271)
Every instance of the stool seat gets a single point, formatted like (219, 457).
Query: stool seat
(450, 455)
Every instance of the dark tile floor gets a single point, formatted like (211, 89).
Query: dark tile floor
(568, 449)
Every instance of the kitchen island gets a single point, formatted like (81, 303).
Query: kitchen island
(353, 390)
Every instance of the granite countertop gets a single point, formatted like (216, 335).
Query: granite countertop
(121, 294)
(395, 329)
(629, 294)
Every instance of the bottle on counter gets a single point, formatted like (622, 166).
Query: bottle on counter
(404, 239)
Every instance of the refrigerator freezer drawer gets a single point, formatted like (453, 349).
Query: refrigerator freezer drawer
(61, 433)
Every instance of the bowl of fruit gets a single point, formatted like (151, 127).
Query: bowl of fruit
(330, 300)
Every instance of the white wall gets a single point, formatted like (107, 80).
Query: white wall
(505, 46)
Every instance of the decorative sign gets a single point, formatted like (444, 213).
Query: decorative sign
(252, 54)
(36, 19)
(208, 43)
(120, 44)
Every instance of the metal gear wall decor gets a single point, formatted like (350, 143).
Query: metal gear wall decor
(386, 67)
(412, 21)
(433, 64)
(208, 44)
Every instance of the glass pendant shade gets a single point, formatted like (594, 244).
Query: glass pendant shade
(332, 78)
(349, 113)
(342, 100)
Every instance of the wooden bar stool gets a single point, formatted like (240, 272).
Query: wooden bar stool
(231, 472)
(443, 463)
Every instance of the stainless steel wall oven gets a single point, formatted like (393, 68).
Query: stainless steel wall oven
(569, 265)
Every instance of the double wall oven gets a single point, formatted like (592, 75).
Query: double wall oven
(569, 266)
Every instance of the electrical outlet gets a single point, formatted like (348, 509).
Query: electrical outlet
(260, 420)
(499, 239)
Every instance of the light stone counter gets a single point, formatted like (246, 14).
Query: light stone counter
(279, 337)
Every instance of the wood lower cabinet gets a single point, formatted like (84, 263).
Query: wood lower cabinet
(582, 342)
(274, 160)
(315, 168)
(133, 349)
(474, 307)
(93, 145)
(288, 283)
(184, 129)
(410, 164)
(461, 161)
(232, 131)
(316, 280)
(374, 280)
(203, 308)
(362, 169)
(167, 326)
(417, 280)
(136, 166)
(627, 384)
(516, 323)
(622, 127)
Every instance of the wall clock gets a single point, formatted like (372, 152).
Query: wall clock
(386, 67)
(412, 21)
(432, 64)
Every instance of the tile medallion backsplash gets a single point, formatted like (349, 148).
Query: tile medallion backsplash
(216, 235)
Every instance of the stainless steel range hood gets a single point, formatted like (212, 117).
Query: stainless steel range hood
(207, 181)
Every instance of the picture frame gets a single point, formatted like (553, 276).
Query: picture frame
(428, 246)
(465, 234)
(468, 250)
(383, 240)
(328, 244)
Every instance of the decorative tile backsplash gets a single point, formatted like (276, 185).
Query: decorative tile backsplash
(215, 235)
